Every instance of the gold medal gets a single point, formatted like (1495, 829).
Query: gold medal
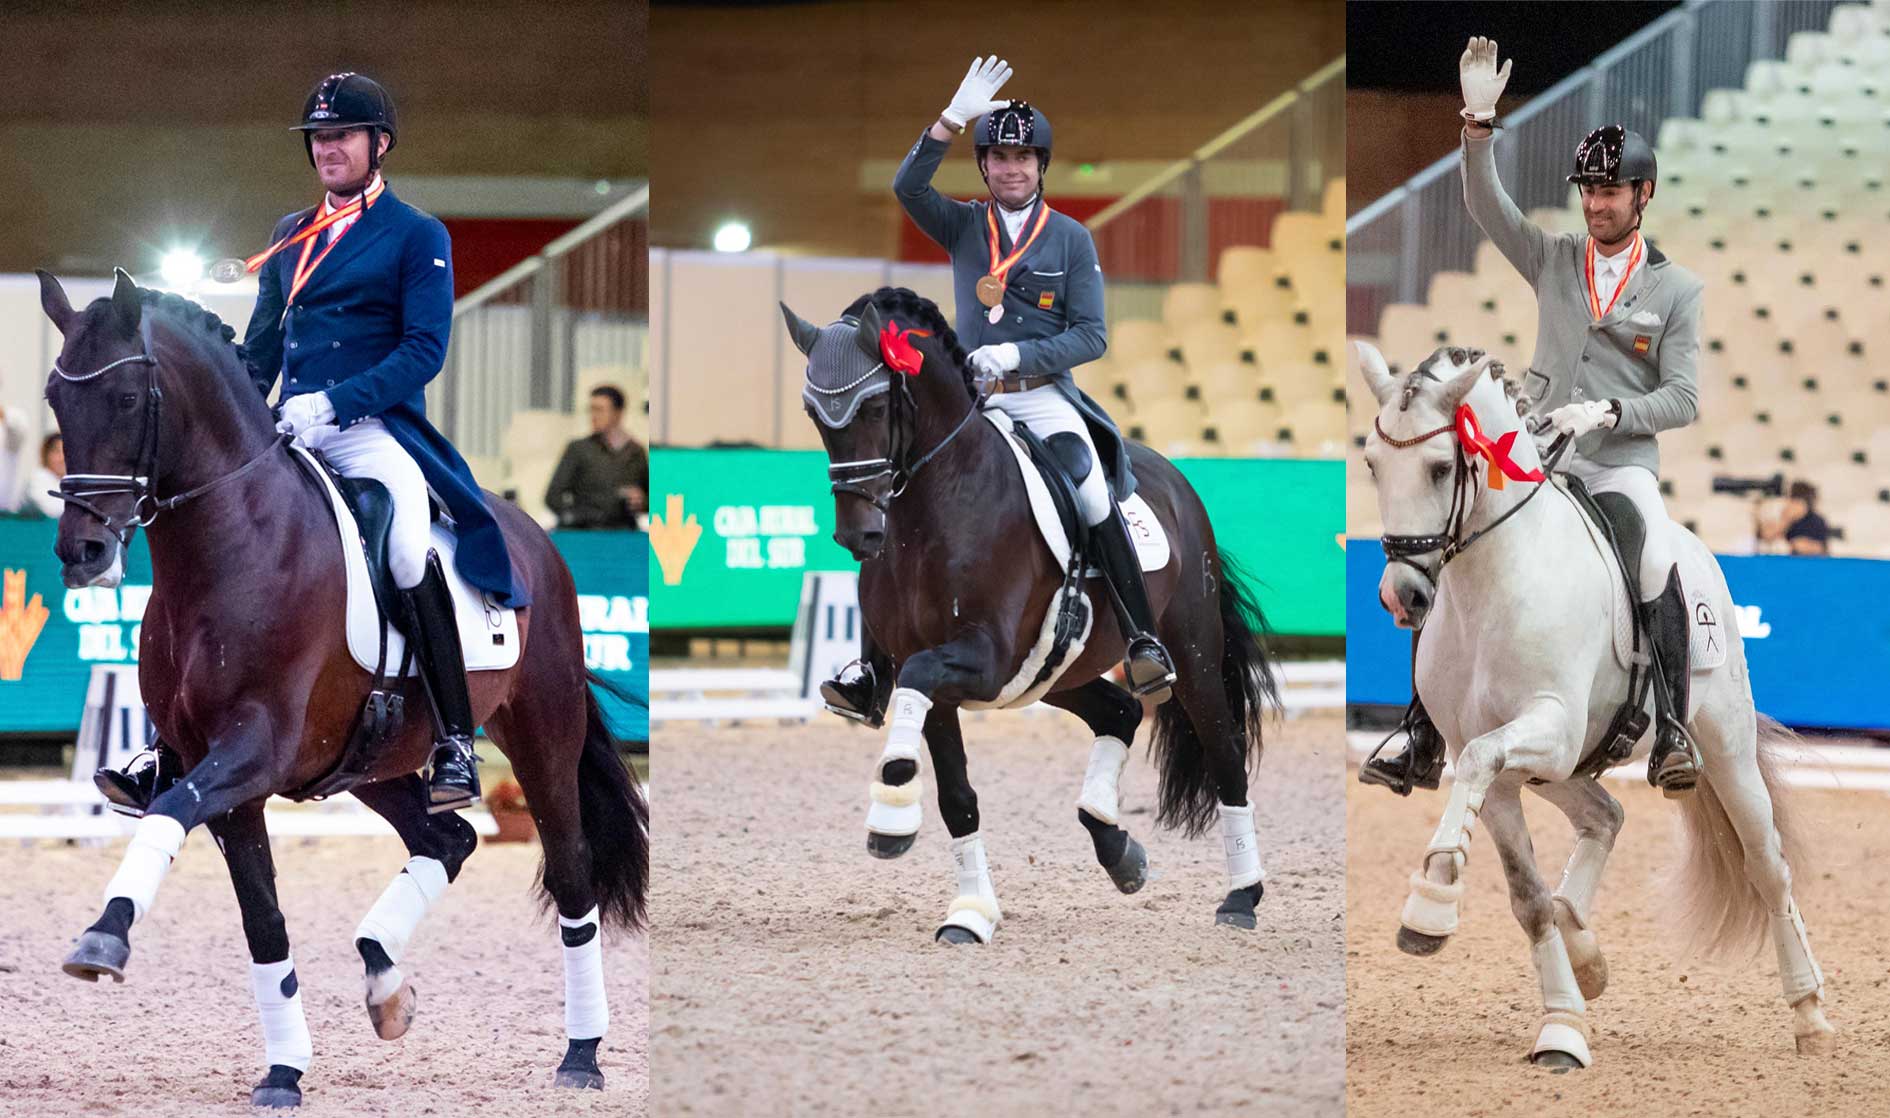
(991, 284)
(990, 291)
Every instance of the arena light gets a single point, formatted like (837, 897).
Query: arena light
(733, 236)
(181, 268)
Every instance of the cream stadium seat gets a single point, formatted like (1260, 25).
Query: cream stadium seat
(1409, 333)
(1245, 428)
(1186, 304)
(1252, 303)
(1866, 527)
(1280, 341)
(1244, 265)
(1316, 430)
(1135, 340)
(1806, 49)
(1165, 424)
(1208, 342)
(488, 470)
(1291, 384)
(1726, 525)
(1225, 382)
(1332, 202)
(1147, 382)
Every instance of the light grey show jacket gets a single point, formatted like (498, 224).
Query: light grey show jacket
(1644, 353)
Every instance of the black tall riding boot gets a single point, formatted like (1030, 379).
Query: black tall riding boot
(1674, 765)
(862, 698)
(1421, 764)
(454, 780)
(1150, 673)
(143, 779)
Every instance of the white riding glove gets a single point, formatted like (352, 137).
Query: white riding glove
(1579, 419)
(976, 94)
(1482, 82)
(995, 360)
(300, 413)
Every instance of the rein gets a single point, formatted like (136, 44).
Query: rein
(80, 490)
(1452, 542)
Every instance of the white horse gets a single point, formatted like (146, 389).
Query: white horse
(1521, 671)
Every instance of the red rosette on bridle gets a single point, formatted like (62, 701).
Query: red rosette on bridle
(1502, 466)
(898, 352)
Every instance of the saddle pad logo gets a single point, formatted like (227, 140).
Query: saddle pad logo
(1708, 638)
(1045, 300)
(1641, 342)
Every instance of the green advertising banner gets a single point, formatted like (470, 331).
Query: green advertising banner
(734, 530)
(51, 636)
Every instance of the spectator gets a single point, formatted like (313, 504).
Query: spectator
(1795, 527)
(45, 476)
(603, 479)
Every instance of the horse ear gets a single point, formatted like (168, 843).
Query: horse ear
(1377, 374)
(1458, 387)
(804, 333)
(52, 300)
(125, 306)
(868, 335)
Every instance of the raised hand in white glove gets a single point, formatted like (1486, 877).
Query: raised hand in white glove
(976, 94)
(995, 360)
(1579, 419)
(1482, 82)
(300, 413)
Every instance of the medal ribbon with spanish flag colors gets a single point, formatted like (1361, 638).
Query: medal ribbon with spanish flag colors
(1000, 269)
(1594, 297)
(1502, 466)
(305, 237)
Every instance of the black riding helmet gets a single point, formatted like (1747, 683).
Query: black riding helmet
(1018, 124)
(1612, 154)
(349, 100)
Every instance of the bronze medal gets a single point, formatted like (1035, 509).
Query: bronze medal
(990, 290)
(227, 270)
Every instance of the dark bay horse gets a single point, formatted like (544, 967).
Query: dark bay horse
(954, 587)
(244, 666)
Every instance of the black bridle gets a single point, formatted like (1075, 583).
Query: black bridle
(81, 490)
(1452, 542)
(902, 418)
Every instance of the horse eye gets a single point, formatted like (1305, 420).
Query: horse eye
(127, 401)
(1438, 473)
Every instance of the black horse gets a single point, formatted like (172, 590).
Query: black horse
(954, 590)
(165, 430)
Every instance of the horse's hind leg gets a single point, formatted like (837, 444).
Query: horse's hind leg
(1562, 1039)
(1112, 714)
(287, 1048)
(1596, 817)
(1734, 779)
(438, 845)
(1204, 747)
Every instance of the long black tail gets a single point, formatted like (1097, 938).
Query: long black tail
(615, 818)
(1189, 792)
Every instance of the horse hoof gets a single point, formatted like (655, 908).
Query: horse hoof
(954, 935)
(1561, 1063)
(1593, 978)
(279, 1090)
(1130, 872)
(888, 846)
(581, 1078)
(1817, 1044)
(98, 954)
(1420, 944)
(393, 1017)
(1237, 910)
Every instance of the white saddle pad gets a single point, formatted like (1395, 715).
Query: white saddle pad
(1708, 635)
(487, 633)
(1151, 540)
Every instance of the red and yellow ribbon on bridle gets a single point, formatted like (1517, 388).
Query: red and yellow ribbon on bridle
(1502, 466)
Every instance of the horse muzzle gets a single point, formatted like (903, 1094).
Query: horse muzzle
(92, 562)
(1406, 594)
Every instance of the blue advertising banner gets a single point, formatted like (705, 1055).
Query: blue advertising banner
(1817, 639)
(51, 636)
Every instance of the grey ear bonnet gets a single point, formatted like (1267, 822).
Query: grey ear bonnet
(841, 375)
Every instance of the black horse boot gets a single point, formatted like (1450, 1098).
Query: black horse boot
(1674, 765)
(1151, 674)
(431, 626)
(1419, 765)
(142, 780)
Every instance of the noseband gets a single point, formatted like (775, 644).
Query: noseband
(81, 490)
(1452, 542)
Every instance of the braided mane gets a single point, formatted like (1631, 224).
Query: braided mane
(909, 305)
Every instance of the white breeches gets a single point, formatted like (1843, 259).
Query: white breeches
(1048, 412)
(367, 450)
(1637, 484)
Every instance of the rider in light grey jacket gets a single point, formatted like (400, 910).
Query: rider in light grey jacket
(1617, 344)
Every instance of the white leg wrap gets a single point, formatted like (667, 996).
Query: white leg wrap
(586, 1008)
(1582, 877)
(1107, 758)
(279, 1002)
(391, 922)
(1431, 908)
(153, 847)
(1457, 827)
(1797, 970)
(1564, 1017)
(894, 809)
(1241, 847)
(975, 909)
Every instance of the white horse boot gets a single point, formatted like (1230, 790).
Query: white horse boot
(974, 914)
(1244, 874)
(382, 939)
(1430, 911)
(1803, 981)
(894, 813)
(1101, 784)
(1562, 1042)
(1574, 900)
